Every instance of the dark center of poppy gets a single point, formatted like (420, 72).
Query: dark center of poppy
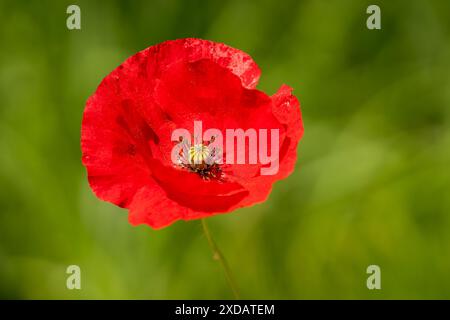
(199, 159)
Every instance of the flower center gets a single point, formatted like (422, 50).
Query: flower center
(200, 159)
(198, 154)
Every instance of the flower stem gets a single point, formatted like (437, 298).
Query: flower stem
(217, 255)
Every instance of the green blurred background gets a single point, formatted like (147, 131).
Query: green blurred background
(371, 186)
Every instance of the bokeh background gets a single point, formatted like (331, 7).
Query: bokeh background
(371, 186)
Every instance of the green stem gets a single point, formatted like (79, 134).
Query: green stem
(217, 255)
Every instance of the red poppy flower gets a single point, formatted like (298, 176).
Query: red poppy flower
(126, 134)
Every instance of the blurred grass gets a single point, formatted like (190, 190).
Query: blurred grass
(371, 187)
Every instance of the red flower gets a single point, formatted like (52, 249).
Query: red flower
(128, 123)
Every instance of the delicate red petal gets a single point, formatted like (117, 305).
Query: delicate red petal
(190, 91)
(191, 50)
(151, 206)
(286, 109)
